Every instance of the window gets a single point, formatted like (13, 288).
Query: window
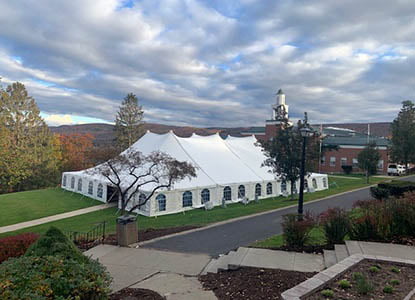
(332, 161)
(258, 189)
(161, 200)
(343, 161)
(227, 193)
(305, 183)
(323, 160)
(187, 199)
(241, 191)
(295, 188)
(355, 163)
(142, 198)
(90, 188)
(314, 183)
(324, 182)
(100, 190)
(269, 188)
(205, 196)
(72, 182)
(64, 180)
(283, 186)
(79, 184)
(380, 165)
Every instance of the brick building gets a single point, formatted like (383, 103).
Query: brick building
(348, 142)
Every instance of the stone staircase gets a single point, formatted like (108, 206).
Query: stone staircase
(340, 252)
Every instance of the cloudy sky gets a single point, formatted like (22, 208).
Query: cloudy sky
(211, 62)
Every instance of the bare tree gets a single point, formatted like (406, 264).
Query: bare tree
(133, 173)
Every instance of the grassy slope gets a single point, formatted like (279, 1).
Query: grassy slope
(197, 216)
(316, 238)
(30, 205)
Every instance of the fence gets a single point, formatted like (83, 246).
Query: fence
(89, 239)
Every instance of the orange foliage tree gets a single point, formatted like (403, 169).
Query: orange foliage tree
(75, 151)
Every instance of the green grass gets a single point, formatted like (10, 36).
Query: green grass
(31, 205)
(198, 217)
(316, 238)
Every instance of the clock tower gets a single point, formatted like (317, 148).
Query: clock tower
(279, 114)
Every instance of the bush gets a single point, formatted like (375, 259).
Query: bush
(327, 293)
(54, 242)
(395, 282)
(52, 277)
(344, 284)
(363, 286)
(388, 289)
(336, 225)
(397, 188)
(296, 229)
(379, 193)
(14, 246)
(347, 169)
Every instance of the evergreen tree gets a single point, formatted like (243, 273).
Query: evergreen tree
(29, 154)
(403, 135)
(129, 121)
(368, 160)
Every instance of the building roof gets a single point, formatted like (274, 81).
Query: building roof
(355, 140)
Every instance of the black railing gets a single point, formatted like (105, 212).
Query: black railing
(89, 239)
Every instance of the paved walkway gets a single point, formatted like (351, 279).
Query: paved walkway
(55, 217)
(215, 240)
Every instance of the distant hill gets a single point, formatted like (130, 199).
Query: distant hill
(104, 133)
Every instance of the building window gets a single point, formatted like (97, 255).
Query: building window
(90, 188)
(187, 199)
(324, 182)
(227, 193)
(161, 200)
(332, 161)
(258, 189)
(380, 165)
(323, 160)
(355, 163)
(72, 182)
(64, 180)
(100, 190)
(205, 196)
(269, 188)
(241, 191)
(314, 183)
(283, 186)
(79, 184)
(343, 161)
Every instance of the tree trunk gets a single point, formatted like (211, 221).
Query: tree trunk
(292, 190)
(367, 176)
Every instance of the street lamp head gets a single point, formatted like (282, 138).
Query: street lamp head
(306, 132)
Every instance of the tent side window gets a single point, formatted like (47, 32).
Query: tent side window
(187, 199)
(269, 188)
(100, 190)
(283, 186)
(258, 189)
(79, 184)
(227, 193)
(90, 188)
(241, 191)
(72, 182)
(64, 180)
(314, 183)
(161, 200)
(205, 196)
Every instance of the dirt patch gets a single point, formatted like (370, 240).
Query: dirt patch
(150, 233)
(384, 280)
(252, 283)
(133, 294)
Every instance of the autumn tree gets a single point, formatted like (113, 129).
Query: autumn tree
(29, 153)
(403, 135)
(368, 160)
(128, 122)
(76, 149)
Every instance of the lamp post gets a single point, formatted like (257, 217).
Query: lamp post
(306, 132)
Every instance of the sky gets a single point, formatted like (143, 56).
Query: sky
(211, 62)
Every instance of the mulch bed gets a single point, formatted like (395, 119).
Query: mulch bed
(378, 279)
(133, 294)
(150, 233)
(252, 283)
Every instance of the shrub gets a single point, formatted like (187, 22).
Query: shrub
(397, 188)
(54, 242)
(379, 193)
(296, 229)
(395, 282)
(363, 286)
(14, 246)
(395, 270)
(347, 169)
(364, 228)
(336, 225)
(388, 289)
(327, 293)
(344, 284)
(52, 277)
(374, 269)
(357, 276)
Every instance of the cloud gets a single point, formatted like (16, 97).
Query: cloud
(56, 120)
(212, 63)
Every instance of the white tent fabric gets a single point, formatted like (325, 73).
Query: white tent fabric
(219, 163)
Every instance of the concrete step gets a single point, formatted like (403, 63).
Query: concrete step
(218, 264)
(353, 247)
(237, 258)
(341, 252)
(329, 258)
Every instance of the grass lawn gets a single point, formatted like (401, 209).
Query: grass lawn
(30, 205)
(197, 216)
(316, 238)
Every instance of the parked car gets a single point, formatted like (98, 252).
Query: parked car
(396, 170)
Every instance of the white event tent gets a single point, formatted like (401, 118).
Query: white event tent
(227, 170)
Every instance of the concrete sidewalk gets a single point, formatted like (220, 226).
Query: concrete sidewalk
(44, 220)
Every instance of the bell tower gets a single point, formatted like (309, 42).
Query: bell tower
(279, 115)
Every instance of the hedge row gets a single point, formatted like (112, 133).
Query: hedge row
(395, 188)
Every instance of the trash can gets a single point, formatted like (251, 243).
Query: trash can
(127, 232)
